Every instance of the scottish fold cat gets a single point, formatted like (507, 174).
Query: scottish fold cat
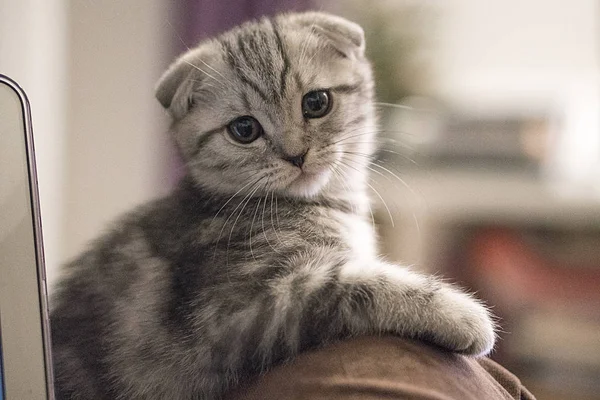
(266, 247)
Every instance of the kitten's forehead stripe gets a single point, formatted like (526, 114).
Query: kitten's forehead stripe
(258, 45)
(229, 57)
(247, 106)
(255, 45)
(285, 58)
(258, 54)
(240, 66)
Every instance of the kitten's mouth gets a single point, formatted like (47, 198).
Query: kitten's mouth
(309, 183)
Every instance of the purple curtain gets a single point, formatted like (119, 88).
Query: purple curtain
(202, 18)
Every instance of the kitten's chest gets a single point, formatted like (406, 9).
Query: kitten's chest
(359, 235)
(301, 232)
(269, 234)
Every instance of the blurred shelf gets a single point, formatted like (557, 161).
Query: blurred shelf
(429, 204)
(552, 346)
(486, 196)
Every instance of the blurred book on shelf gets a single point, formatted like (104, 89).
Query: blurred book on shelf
(436, 135)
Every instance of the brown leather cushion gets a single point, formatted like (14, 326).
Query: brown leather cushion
(374, 368)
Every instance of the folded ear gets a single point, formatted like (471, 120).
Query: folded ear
(175, 88)
(346, 36)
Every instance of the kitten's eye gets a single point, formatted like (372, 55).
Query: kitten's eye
(316, 104)
(245, 129)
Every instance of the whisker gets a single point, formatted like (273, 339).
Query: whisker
(370, 157)
(252, 226)
(277, 213)
(308, 38)
(380, 149)
(345, 187)
(366, 156)
(405, 107)
(255, 184)
(188, 48)
(348, 138)
(394, 105)
(317, 51)
(305, 43)
(351, 131)
(204, 72)
(248, 198)
(369, 168)
(378, 195)
(403, 156)
(263, 222)
(235, 194)
(177, 34)
(212, 69)
(272, 223)
(404, 183)
(375, 163)
(377, 141)
(344, 175)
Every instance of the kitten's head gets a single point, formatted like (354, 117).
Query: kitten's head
(281, 105)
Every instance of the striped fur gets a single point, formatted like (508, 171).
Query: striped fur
(250, 260)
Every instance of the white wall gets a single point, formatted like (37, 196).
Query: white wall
(117, 151)
(522, 51)
(33, 48)
(89, 68)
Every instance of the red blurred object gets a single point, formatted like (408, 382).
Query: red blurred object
(513, 271)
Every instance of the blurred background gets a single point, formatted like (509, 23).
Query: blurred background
(490, 144)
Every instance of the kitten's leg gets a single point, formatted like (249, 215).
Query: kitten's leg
(390, 298)
(324, 298)
(320, 298)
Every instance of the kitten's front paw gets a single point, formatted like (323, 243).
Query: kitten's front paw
(466, 324)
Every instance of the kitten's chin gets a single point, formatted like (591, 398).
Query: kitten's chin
(308, 184)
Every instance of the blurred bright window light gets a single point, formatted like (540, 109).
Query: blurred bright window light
(519, 55)
(575, 162)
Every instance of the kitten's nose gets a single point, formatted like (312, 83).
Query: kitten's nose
(297, 160)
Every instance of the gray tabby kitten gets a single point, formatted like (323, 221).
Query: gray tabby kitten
(266, 248)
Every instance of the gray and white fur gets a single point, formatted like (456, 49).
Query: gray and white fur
(265, 249)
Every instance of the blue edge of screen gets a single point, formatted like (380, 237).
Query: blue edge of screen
(1, 375)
